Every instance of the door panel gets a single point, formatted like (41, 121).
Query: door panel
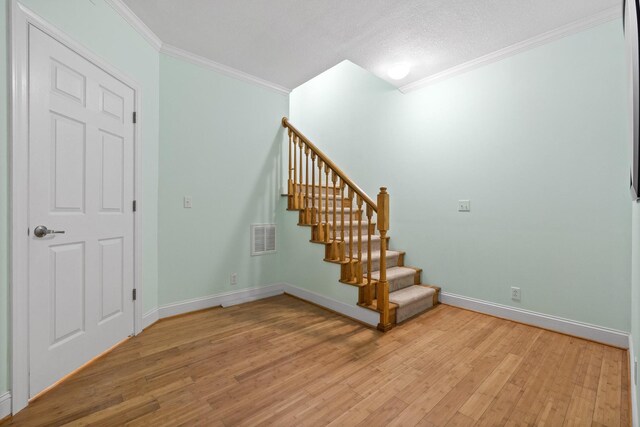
(67, 292)
(81, 151)
(112, 275)
(112, 179)
(68, 145)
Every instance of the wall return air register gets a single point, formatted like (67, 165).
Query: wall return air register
(263, 239)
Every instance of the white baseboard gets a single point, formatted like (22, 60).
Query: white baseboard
(554, 323)
(150, 317)
(228, 299)
(632, 382)
(353, 311)
(225, 299)
(5, 404)
(571, 327)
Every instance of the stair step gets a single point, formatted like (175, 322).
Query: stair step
(321, 189)
(374, 306)
(348, 213)
(323, 203)
(375, 243)
(354, 224)
(398, 277)
(412, 300)
(324, 197)
(393, 260)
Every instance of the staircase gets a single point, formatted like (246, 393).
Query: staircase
(345, 220)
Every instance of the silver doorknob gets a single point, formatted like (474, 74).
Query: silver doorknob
(41, 231)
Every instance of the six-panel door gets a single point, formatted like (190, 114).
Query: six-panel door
(81, 181)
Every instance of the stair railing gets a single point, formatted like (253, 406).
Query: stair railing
(332, 233)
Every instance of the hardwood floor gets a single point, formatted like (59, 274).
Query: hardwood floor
(284, 362)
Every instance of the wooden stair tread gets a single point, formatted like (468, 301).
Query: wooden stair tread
(398, 271)
(374, 238)
(374, 305)
(410, 294)
(357, 285)
(336, 261)
(375, 255)
(390, 254)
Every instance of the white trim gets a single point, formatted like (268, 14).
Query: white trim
(353, 311)
(571, 327)
(5, 404)
(138, 24)
(134, 21)
(138, 215)
(152, 38)
(632, 383)
(539, 40)
(21, 18)
(225, 299)
(18, 201)
(187, 56)
(228, 299)
(150, 317)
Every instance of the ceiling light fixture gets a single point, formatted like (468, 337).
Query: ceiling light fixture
(399, 71)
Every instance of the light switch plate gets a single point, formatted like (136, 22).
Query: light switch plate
(187, 202)
(464, 206)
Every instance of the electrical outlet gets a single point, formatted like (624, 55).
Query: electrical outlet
(187, 202)
(234, 278)
(515, 293)
(464, 206)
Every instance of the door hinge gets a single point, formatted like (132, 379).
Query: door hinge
(135, 206)
(135, 294)
(135, 117)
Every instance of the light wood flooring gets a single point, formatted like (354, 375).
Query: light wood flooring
(283, 362)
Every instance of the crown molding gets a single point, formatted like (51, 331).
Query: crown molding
(185, 55)
(536, 41)
(135, 22)
(580, 25)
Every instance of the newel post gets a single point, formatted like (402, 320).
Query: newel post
(383, 286)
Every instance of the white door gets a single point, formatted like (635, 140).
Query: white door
(81, 152)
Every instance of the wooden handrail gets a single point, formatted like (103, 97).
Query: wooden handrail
(328, 224)
(333, 166)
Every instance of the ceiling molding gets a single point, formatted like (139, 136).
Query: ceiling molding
(185, 55)
(539, 40)
(135, 22)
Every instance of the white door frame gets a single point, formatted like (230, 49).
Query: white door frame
(20, 20)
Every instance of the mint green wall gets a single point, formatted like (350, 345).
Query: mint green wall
(301, 262)
(537, 142)
(99, 28)
(220, 144)
(4, 179)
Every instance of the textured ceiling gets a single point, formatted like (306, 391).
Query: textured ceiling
(288, 42)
